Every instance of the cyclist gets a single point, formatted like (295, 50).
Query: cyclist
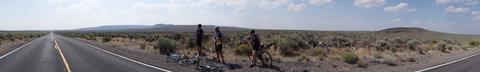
(218, 38)
(255, 44)
(199, 38)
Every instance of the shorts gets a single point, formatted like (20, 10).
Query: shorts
(218, 48)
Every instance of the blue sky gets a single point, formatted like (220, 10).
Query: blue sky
(454, 16)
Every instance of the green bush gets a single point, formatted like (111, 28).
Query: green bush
(412, 44)
(190, 42)
(242, 50)
(107, 39)
(289, 44)
(390, 60)
(89, 37)
(349, 57)
(283, 45)
(474, 43)
(165, 45)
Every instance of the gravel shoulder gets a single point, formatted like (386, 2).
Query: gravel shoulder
(148, 58)
(424, 61)
(8, 46)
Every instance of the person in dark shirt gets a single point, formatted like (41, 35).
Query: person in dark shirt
(199, 39)
(218, 44)
(255, 44)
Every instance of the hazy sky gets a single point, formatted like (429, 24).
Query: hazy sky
(455, 16)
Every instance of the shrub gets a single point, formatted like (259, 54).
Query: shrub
(190, 42)
(339, 41)
(412, 44)
(303, 58)
(242, 50)
(318, 52)
(411, 59)
(165, 45)
(89, 36)
(362, 63)
(289, 45)
(390, 60)
(107, 39)
(474, 43)
(443, 46)
(143, 45)
(381, 45)
(349, 57)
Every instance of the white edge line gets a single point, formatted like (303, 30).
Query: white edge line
(141, 63)
(17, 49)
(447, 63)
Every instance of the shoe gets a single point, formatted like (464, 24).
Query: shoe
(252, 65)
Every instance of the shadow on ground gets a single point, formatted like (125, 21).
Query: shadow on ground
(273, 67)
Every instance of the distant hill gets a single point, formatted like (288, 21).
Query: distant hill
(158, 28)
(117, 27)
(404, 30)
(415, 32)
(193, 27)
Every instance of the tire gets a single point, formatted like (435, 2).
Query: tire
(266, 59)
(168, 59)
(183, 62)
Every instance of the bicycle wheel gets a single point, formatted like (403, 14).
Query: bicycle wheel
(185, 62)
(266, 59)
(168, 59)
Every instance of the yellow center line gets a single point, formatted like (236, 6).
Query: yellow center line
(67, 66)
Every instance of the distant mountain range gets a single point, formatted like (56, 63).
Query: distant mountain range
(193, 27)
(158, 27)
(117, 27)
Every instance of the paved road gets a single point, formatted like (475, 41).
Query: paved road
(471, 64)
(37, 56)
(41, 55)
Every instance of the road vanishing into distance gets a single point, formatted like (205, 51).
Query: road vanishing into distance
(55, 53)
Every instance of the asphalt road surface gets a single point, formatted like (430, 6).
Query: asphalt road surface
(54, 53)
(470, 64)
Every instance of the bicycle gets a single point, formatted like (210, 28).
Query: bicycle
(207, 65)
(176, 58)
(264, 57)
(200, 63)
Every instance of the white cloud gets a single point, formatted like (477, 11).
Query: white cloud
(271, 4)
(320, 2)
(154, 7)
(447, 1)
(471, 2)
(476, 16)
(368, 3)
(296, 7)
(476, 19)
(475, 13)
(75, 6)
(466, 2)
(396, 20)
(452, 9)
(402, 7)
(237, 5)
